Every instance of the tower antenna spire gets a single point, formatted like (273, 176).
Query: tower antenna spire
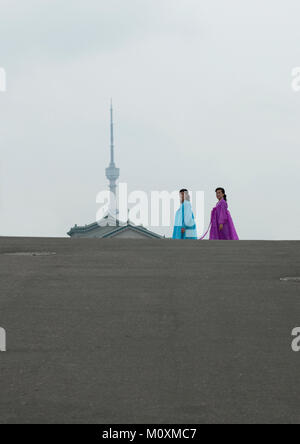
(112, 145)
(112, 172)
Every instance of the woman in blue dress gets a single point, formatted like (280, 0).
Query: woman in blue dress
(185, 226)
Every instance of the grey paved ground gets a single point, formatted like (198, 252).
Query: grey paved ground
(149, 332)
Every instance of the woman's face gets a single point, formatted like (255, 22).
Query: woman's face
(220, 194)
(181, 197)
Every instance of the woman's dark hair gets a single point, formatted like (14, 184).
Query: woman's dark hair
(184, 190)
(223, 191)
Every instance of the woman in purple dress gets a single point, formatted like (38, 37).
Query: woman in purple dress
(222, 226)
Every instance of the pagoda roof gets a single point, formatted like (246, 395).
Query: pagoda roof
(107, 227)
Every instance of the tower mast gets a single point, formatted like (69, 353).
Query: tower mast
(112, 147)
(112, 172)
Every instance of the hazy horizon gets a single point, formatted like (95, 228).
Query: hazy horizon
(202, 98)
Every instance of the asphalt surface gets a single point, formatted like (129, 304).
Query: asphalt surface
(110, 331)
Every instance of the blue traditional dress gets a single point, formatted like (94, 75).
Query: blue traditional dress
(185, 219)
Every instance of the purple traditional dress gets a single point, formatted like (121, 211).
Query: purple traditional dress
(221, 215)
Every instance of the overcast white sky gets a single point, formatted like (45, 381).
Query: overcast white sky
(202, 94)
